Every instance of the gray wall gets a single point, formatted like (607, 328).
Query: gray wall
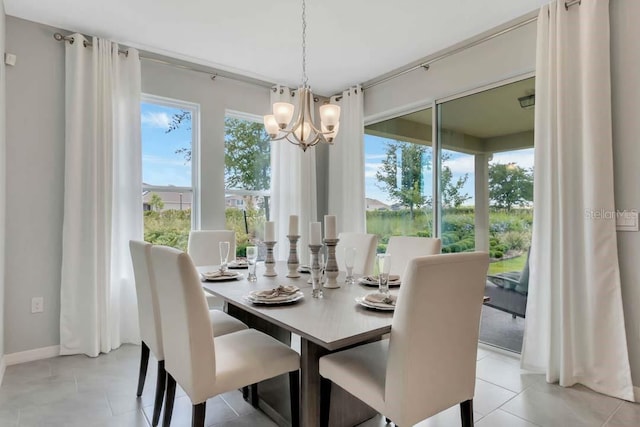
(35, 168)
(625, 63)
(3, 176)
(514, 54)
(35, 178)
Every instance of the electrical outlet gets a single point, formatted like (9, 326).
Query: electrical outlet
(37, 305)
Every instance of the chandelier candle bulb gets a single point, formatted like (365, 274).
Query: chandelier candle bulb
(330, 227)
(283, 113)
(329, 115)
(315, 234)
(293, 225)
(271, 125)
(269, 231)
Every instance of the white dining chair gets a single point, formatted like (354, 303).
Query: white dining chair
(203, 246)
(365, 245)
(405, 248)
(204, 364)
(149, 321)
(429, 362)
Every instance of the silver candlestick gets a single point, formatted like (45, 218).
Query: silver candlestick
(331, 267)
(315, 272)
(270, 262)
(292, 262)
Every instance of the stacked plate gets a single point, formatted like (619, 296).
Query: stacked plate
(238, 264)
(218, 276)
(304, 269)
(394, 280)
(279, 295)
(378, 301)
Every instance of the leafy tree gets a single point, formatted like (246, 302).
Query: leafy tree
(413, 159)
(510, 185)
(177, 120)
(452, 195)
(156, 202)
(247, 160)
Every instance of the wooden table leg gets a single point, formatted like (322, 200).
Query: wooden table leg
(310, 382)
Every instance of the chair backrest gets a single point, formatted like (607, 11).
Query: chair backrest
(189, 353)
(148, 309)
(434, 335)
(204, 249)
(365, 245)
(404, 248)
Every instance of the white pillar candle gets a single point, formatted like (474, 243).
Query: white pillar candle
(269, 231)
(293, 225)
(315, 233)
(330, 227)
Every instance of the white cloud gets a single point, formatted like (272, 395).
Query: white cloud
(370, 169)
(375, 156)
(522, 158)
(158, 120)
(461, 165)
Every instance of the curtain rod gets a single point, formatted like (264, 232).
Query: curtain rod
(59, 37)
(426, 64)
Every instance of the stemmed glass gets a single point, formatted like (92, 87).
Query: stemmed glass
(224, 255)
(349, 260)
(252, 257)
(384, 266)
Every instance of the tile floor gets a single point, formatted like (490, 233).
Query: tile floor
(81, 391)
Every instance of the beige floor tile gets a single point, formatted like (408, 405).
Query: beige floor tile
(556, 406)
(489, 397)
(627, 415)
(503, 419)
(128, 419)
(77, 410)
(502, 373)
(217, 412)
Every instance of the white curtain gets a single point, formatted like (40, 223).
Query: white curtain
(293, 186)
(346, 164)
(575, 330)
(102, 199)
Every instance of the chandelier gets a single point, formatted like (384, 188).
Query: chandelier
(302, 131)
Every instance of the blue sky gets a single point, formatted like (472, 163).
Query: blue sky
(459, 163)
(160, 164)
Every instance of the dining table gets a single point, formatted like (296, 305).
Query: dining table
(325, 325)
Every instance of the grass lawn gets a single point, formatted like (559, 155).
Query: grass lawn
(512, 264)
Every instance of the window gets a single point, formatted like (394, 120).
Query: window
(169, 149)
(398, 177)
(247, 174)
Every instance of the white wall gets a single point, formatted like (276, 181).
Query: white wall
(513, 54)
(35, 168)
(3, 179)
(625, 66)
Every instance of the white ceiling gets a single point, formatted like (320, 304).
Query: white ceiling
(348, 41)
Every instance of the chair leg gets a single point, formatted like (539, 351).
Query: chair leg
(325, 401)
(294, 395)
(466, 413)
(387, 420)
(161, 384)
(144, 361)
(254, 395)
(168, 402)
(199, 412)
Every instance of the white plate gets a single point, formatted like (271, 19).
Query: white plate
(364, 281)
(292, 298)
(238, 265)
(374, 306)
(304, 269)
(204, 276)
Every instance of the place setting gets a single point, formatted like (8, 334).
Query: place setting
(223, 273)
(378, 301)
(381, 300)
(282, 294)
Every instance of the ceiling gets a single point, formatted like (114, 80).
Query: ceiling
(348, 42)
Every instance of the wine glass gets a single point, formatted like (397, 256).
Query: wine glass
(224, 255)
(252, 257)
(384, 266)
(349, 260)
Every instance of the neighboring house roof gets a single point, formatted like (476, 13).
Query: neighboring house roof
(375, 205)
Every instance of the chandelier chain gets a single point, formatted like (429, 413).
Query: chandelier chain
(305, 79)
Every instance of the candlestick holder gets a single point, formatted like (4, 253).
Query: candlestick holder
(292, 262)
(331, 267)
(270, 262)
(315, 272)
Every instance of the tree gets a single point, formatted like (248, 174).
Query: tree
(177, 120)
(452, 195)
(156, 202)
(247, 161)
(510, 185)
(413, 159)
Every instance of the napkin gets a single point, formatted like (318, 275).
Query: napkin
(392, 278)
(216, 274)
(276, 292)
(378, 298)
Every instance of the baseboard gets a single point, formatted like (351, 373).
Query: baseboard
(31, 355)
(3, 368)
